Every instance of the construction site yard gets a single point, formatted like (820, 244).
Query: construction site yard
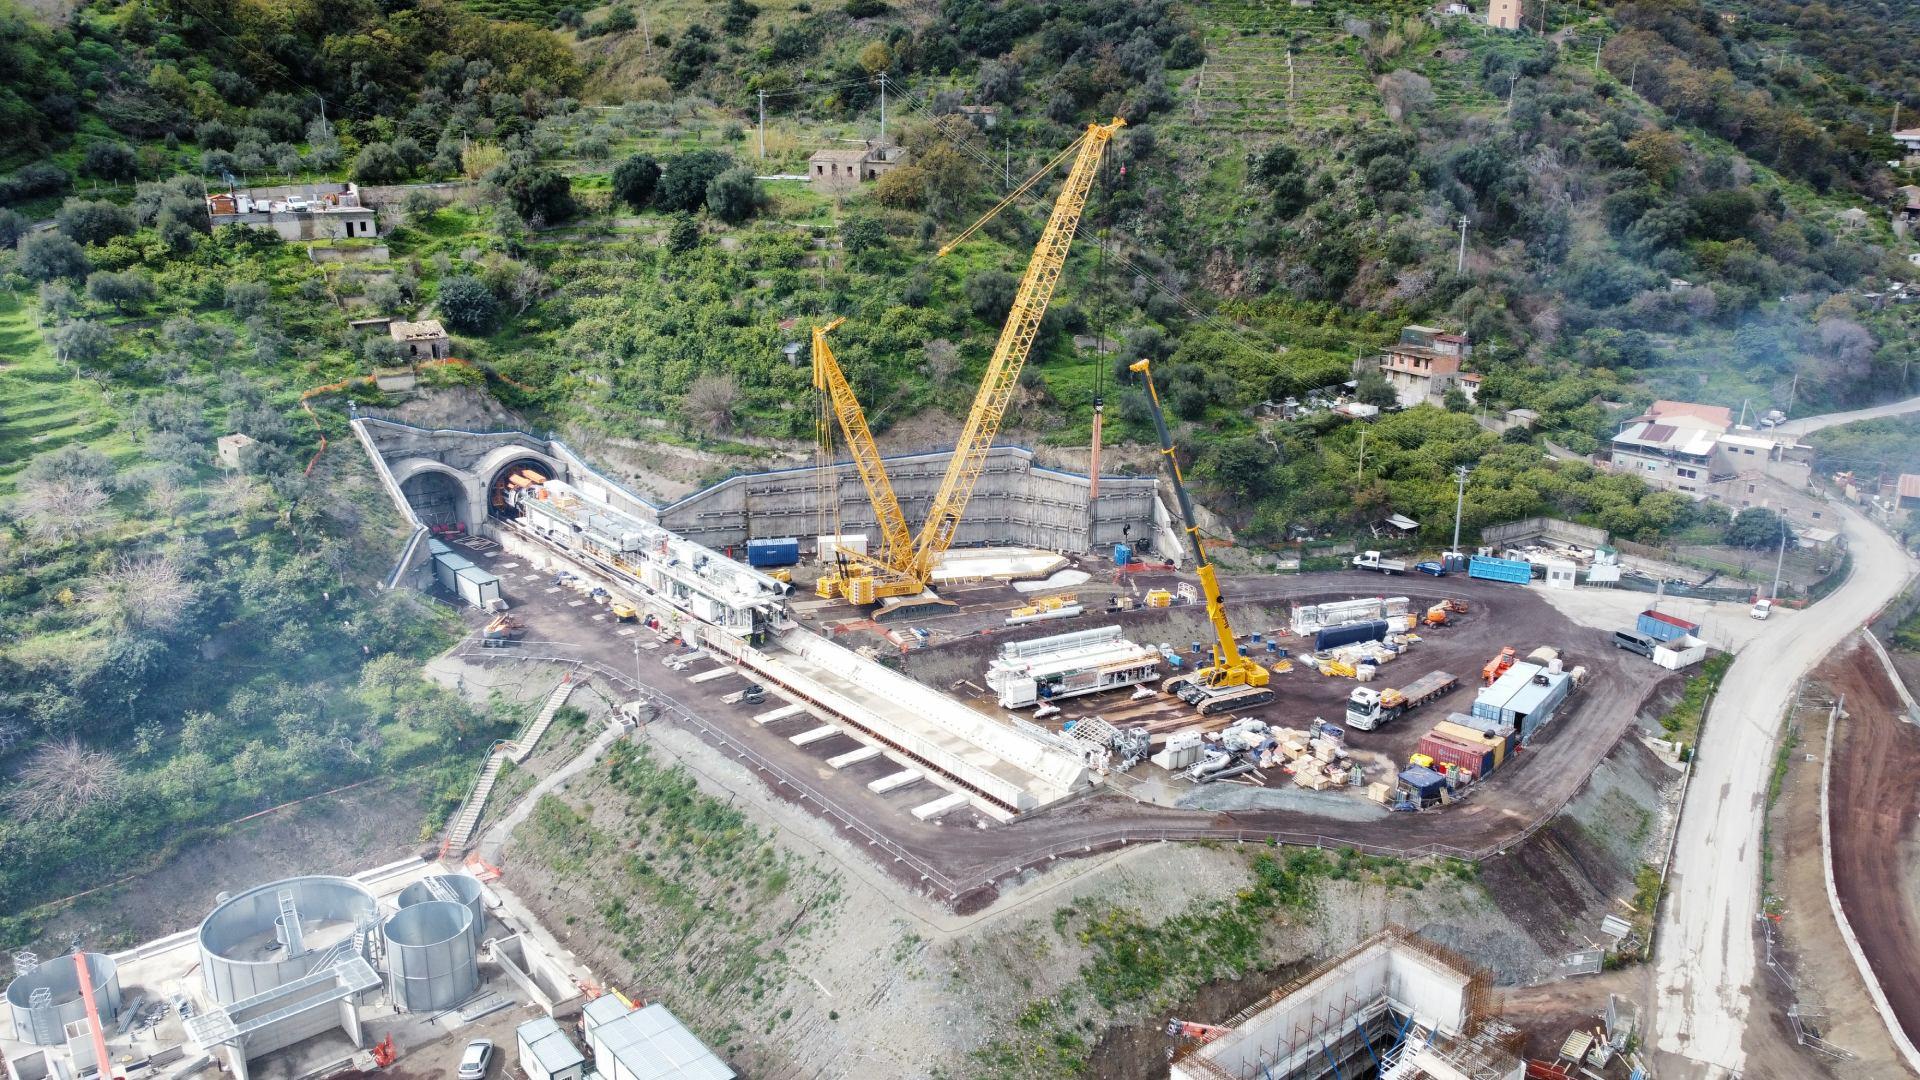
(965, 859)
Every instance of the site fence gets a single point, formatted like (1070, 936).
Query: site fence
(957, 884)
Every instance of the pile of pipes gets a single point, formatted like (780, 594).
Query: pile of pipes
(1362, 659)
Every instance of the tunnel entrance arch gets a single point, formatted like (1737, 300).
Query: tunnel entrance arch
(517, 472)
(438, 499)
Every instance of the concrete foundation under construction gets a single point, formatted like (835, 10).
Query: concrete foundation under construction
(1395, 1006)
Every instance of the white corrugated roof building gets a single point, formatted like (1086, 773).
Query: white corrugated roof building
(647, 1044)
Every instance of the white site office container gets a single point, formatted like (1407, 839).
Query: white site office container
(477, 587)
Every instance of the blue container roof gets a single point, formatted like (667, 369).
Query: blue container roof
(1420, 777)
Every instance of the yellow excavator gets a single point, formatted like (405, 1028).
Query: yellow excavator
(1231, 681)
(904, 566)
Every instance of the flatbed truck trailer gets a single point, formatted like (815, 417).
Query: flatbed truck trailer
(1368, 708)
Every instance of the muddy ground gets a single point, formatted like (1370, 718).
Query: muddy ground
(1811, 965)
(1874, 802)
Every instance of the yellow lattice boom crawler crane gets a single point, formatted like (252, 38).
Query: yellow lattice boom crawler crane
(1231, 681)
(904, 572)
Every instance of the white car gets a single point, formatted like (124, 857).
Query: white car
(475, 1059)
(1761, 609)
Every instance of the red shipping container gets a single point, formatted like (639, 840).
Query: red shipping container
(1475, 759)
(1478, 747)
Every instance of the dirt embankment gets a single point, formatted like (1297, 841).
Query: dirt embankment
(1874, 802)
(1579, 867)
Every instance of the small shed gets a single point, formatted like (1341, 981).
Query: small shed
(230, 448)
(425, 340)
(546, 1053)
(835, 168)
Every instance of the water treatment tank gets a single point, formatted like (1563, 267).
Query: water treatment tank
(431, 957)
(248, 945)
(44, 1023)
(464, 888)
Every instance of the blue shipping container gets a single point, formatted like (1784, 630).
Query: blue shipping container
(1536, 703)
(1336, 636)
(784, 551)
(1663, 627)
(1488, 568)
(1491, 703)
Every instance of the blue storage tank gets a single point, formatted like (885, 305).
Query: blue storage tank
(1122, 554)
(1335, 636)
(1488, 568)
(784, 551)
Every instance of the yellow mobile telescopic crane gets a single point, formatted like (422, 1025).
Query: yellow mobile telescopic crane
(906, 571)
(1231, 681)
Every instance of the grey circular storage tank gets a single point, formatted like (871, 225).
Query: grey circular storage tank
(432, 962)
(45, 1024)
(462, 887)
(248, 948)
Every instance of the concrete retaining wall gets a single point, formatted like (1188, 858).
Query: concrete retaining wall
(1015, 503)
(1569, 532)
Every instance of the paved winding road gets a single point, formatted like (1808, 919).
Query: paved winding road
(1809, 425)
(1706, 958)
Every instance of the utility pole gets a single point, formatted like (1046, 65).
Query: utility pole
(1896, 119)
(1361, 468)
(1006, 163)
(1513, 77)
(1633, 75)
(1460, 265)
(763, 124)
(1597, 46)
(1742, 422)
(1780, 559)
(1793, 391)
(1459, 503)
(883, 108)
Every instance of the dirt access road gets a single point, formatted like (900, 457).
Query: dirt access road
(1873, 802)
(964, 865)
(1706, 958)
(1811, 424)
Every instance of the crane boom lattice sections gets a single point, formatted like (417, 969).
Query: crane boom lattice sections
(896, 541)
(1010, 352)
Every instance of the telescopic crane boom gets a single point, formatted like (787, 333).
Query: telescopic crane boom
(1232, 680)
